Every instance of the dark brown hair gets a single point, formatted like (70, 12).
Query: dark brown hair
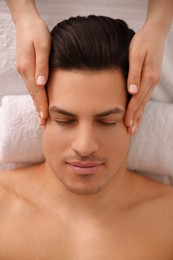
(91, 43)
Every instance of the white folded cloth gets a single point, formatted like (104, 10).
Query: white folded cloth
(151, 149)
(20, 133)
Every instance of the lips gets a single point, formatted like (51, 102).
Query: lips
(85, 168)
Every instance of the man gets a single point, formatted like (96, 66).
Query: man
(82, 203)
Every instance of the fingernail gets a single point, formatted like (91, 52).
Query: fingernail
(133, 88)
(41, 115)
(134, 128)
(41, 124)
(41, 80)
(131, 122)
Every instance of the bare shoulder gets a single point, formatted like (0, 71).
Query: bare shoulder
(14, 184)
(8, 186)
(150, 186)
(6, 179)
(8, 196)
(153, 209)
(160, 208)
(156, 197)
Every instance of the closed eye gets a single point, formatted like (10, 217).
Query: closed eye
(65, 122)
(113, 123)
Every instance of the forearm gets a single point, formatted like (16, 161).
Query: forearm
(22, 9)
(160, 15)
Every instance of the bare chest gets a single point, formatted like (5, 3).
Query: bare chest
(50, 240)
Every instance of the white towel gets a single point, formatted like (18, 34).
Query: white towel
(20, 133)
(151, 150)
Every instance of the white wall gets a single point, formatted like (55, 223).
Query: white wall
(52, 11)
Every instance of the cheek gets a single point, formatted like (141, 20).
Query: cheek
(117, 142)
(52, 141)
(113, 143)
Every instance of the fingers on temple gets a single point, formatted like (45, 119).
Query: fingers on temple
(42, 100)
(149, 78)
(32, 93)
(26, 66)
(136, 107)
(138, 113)
(38, 95)
(133, 130)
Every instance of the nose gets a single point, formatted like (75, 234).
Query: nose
(85, 142)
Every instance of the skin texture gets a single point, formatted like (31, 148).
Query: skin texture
(85, 131)
(145, 57)
(51, 211)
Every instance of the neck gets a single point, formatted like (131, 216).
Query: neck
(113, 198)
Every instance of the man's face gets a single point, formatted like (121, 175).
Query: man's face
(85, 141)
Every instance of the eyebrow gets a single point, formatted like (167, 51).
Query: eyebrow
(115, 110)
(111, 111)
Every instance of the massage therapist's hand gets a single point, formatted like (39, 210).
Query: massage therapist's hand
(32, 50)
(33, 44)
(145, 61)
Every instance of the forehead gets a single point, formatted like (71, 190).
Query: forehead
(87, 88)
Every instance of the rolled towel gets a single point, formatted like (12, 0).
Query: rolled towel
(20, 133)
(151, 149)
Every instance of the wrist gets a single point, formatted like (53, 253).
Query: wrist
(158, 27)
(22, 10)
(25, 18)
(159, 16)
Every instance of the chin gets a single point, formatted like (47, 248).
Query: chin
(83, 188)
(85, 191)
